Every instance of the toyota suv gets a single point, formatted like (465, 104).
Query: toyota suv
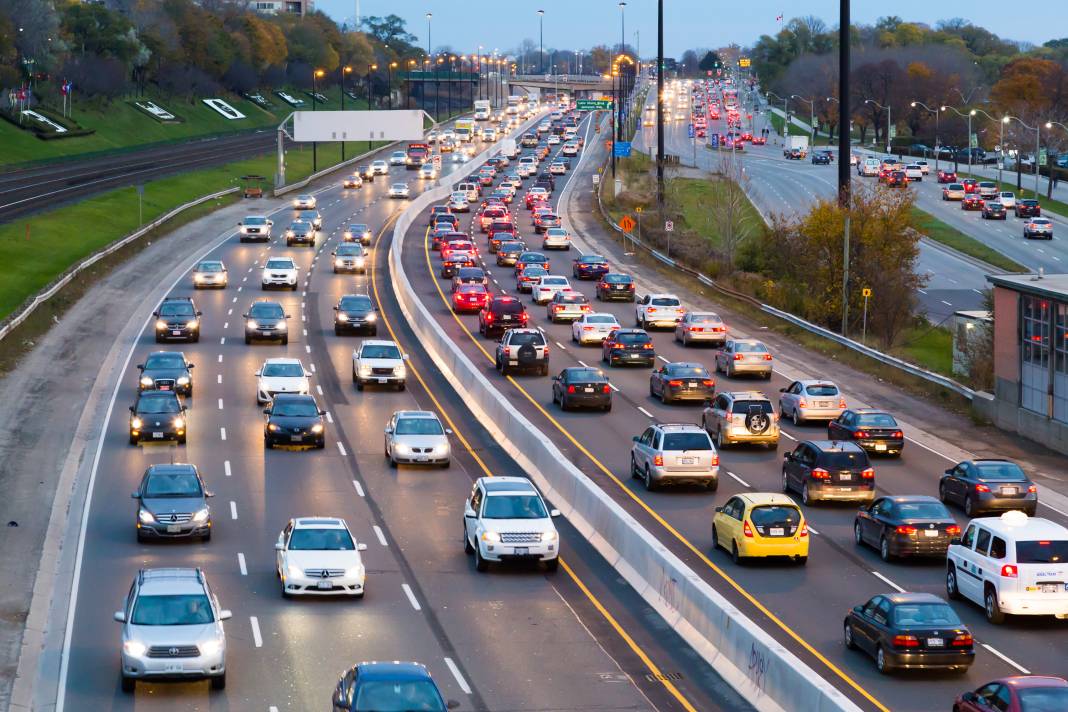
(177, 319)
(741, 417)
(172, 629)
(522, 350)
(172, 503)
(279, 272)
(505, 519)
(674, 452)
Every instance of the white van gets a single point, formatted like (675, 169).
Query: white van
(470, 190)
(869, 167)
(1011, 565)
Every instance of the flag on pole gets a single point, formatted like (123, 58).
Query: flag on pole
(778, 18)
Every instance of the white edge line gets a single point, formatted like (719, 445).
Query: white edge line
(459, 678)
(740, 480)
(380, 535)
(643, 410)
(411, 597)
(1007, 659)
(887, 581)
(241, 564)
(341, 448)
(359, 489)
(256, 637)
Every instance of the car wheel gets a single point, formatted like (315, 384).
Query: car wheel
(884, 549)
(806, 498)
(847, 637)
(285, 340)
(969, 507)
(664, 397)
(943, 495)
(735, 556)
(468, 549)
(219, 682)
(552, 564)
(608, 408)
(880, 661)
(715, 538)
(795, 418)
(648, 479)
(359, 383)
(952, 591)
(719, 439)
(785, 483)
(858, 535)
(129, 684)
(993, 610)
(800, 560)
(481, 565)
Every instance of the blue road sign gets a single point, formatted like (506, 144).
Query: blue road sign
(715, 140)
(689, 131)
(621, 149)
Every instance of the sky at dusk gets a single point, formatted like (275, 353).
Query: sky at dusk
(464, 25)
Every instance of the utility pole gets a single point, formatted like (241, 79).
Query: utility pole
(844, 148)
(660, 103)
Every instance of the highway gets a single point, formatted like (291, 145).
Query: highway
(512, 639)
(802, 607)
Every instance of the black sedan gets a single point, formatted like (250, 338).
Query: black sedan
(300, 232)
(616, 287)
(981, 486)
(157, 416)
(681, 381)
(910, 631)
(166, 371)
(355, 313)
(358, 232)
(626, 346)
(177, 318)
(874, 430)
(267, 321)
(172, 504)
(993, 210)
(589, 267)
(821, 158)
(388, 686)
(579, 387)
(906, 525)
(293, 419)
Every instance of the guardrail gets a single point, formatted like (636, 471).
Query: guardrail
(13, 321)
(754, 663)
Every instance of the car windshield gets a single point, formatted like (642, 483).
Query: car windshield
(400, 186)
(300, 226)
(397, 696)
(746, 406)
(1042, 552)
(179, 609)
(744, 347)
(388, 351)
(350, 250)
(210, 267)
(514, 506)
(263, 310)
(531, 272)
(165, 361)
(255, 221)
(554, 281)
(774, 515)
(617, 279)
(419, 426)
(822, 389)
(557, 231)
(280, 264)
(309, 215)
(876, 420)
(510, 246)
(572, 299)
(921, 510)
(153, 405)
(1042, 699)
(321, 540)
(999, 471)
(355, 304)
(282, 370)
(295, 408)
(172, 484)
(177, 309)
(924, 615)
(687, 441)
(844, 460)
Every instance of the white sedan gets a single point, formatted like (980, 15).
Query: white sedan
(593, 328)
(547, 287)
(304, 202)
(380, 167)
(399, 190)
(428, 172)
(398, 158)
(556, 238)
(558, 168)
(318, 556)
(280, 375)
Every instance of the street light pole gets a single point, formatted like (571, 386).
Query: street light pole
(914, 104)
(429, 15)
(1037, 128)
(968, 116)
(389, 83)
(315, 144)
(844, 186)
(622, 27)
(541, 42)
(660, 104)
(370, 93)
(811, 115)
(343, 70)
(1049, 164)
(888, 123)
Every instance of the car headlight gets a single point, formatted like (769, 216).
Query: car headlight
(272, 427)
(136, 423)
(400, 371)
(359, 262)
(146, 381)
(145, 516)
(134, 648)
(491, 537)
(317, 428)
(294, 571)
(210, 647)
(365, 368)
(191, 324)
(182, 380)
(198, 278)
(401, 448)
(372, 317)
(342, 317)
(550, 536)
(201, 516)
(339, 262)
(179, 422)
(282, 326)
(251, 325)
(161, 324)
(354, 572)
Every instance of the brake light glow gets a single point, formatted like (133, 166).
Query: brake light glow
(675, 384)
(905, 529)
(737, 357)
(708, 382)
(819, 473)
(867, 473)
(605, 388)
(658, 460)
(963, 640)
(804, 529)
(1031, 489)
(1008, 571)
(747, 530)
(981, 488)
(648, 347)
(898, 434)
(906, 641)
(570, 389)
(861, 434)
(952, 530)
(841, 403)
(767, 357)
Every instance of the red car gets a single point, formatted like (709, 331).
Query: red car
(971, 202)
(971, 185)
(469, 298)
(1022, 693)
(759, 140)
(897, 179)
(947, 176)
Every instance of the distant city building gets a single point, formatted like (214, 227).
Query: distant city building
(277, 7)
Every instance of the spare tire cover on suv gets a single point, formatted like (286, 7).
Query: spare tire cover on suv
(757, 421)
(528, 354)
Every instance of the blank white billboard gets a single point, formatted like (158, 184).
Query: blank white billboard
(399, 125)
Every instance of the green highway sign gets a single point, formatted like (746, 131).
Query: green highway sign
(593, 105)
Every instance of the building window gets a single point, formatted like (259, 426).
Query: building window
(1060, 363)
(1034, 353)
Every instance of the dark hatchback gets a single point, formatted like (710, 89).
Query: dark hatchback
(579, 387)
(833, 470)
(910, 631)
(293, 419)
(906, 525)
(355, 314)
(616, 287)
(821, 158)
(625, 346)
(993, 210)
(383, 686)
(172, 504)
(157, 416)
(358, 232)
(681, 381)
(508, 252)
(1027, 208)
(266, 321)
(501, 313)
(981, 486)
(177, 319)
(589, 267)
(166, 371)
(874, 430)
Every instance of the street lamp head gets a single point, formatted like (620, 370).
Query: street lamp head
(1004, 119)
(347, 69)
(1049, 124)
(320, 72)
(971, 113)
(440, 60)
(942, 108)
(393, 64)
(622, 4)
(541, 12)
(912, 104)
(429, 15)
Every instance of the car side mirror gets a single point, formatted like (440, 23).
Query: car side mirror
(788, 456)
(120, 616)
(782, 390)
(322, 412)
(404, 357)
(132, 409)
(209, 493)
(244, 316)
(858, 609)
(279, 546)
(335, 308)
(155, 313)
(270, 223)
(239, 224)
(719, 509)
(200, 313)
(388, 430)
(970, 697)
(361, 547)
(190, 365)
(225, 614)
(135, 495)
(554, 512)
(949, 471)
(448, 431)
(288, 316)
(257, 374)
(635, 438)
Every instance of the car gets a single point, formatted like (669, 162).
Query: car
(821, 158)
(971, 185)
(400, 190)
(529, 275)
(280, 375)
(417, 437)
(701, 327)
(352, 181)
(500, 313)
(311, 216)
(905, 525)
(522, 349)
(293, 419)
(535, 195)
(355, 313)
(300, 232)
(628, 346)
(1027, 208)
(947, 176)
(428, 171)
(166, 371)
(874, 430)
(1007, 198)
(508, 252)
(436, 213)
(558, 168)
(987, 189)
(547, 286)
(1020, 693)
(279, 272)
(458, 204)
(744, 356)
(379, 167)
(589, 267)
(982, 486)
(681, 381)
(469, 275)
(993, 210)
(909, 631)
(954, 191)
(305, 202)
(761, 525)
(172, 614)
(367, 173)
(897, 179)
(740, 417)
(593, 328)
(388, 686)
(615, 286)
(350, 257)
(398, 158)
(567, 305)
(492, 214)
(658, 310)
(266, 320)
(319, 556)
(1038, 228)
(177, 319)
(971, 201)
(506, 520)
(913, 172)
(545, 221)
(157, 416)
(210, 273)
(379, 362)
(555, 238)
(254, 228)
(172, 504)
(582, 387)
(925, 167)
(553, 140)
(468, 298)
(679, 453)
(806, 400)
(357, 232)
(569, 149)
(456, 258)
(828, 470)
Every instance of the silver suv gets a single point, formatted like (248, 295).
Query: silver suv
(741, 417)
(674, 452)
(172, 629)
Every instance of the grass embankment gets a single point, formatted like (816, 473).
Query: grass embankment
(952, 237)
(39, 248)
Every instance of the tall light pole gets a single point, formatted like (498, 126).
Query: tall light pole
(318, 73)
(429, 16)
(1049, 126)
(541, 42)
(342, 71)
(622, 27)
(408, 85)
(785, 113)
(811, 116)
(936, 113)
(968, 116)
(844, 186)
(370, 93)
(660, 104)
(1037, 128)
(888, 122)
(1001, 137)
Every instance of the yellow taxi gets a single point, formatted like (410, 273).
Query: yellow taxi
(761, 524)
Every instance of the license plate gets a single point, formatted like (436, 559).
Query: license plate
(172, 668)
(880, 447)
(173, 528)
(588, 390)
(296, 438)
(382, 380)
(845, 477)
(936, 642)
(776, 531)
(1049, 587)
(324, 585)
(157, 436)
(164, 388)
(521, 550)
(930, 533)
(685, 460)
(617, 288)
(1009, 490)
(634, 355)
(176, 333)
(265, 333)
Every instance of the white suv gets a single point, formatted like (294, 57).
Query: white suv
(676, 453)
(318, 556)
(379, 361)
(658, 310)
(172, 629)
(1012, 564)
(279, 272)
(505, 519)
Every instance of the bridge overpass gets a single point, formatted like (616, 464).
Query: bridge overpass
(575, 84)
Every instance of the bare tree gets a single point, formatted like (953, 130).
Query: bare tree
(730, 212)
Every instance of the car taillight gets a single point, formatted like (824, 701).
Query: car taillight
(804, 529)
(648, 347)
(708, 382)
(819, 473)
(981, 488)
(841, 403)
(963, 640)
(905, 529)
(570, 389)
(861, 434)
(952, 530)
(658, 460)
(674, 384)
(1008, 571)
(867, 473)
(1032, 489)
(489, 317)
(898, 434)
(737, 357)
(906, 641)
(767, 357)
(747, 530)
(523, 317)
(605, 388)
